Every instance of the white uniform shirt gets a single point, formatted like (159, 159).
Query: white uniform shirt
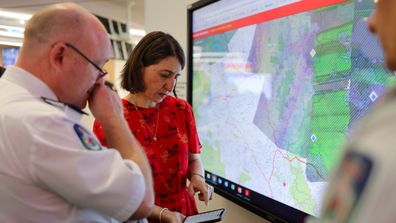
(51, 168)
(363, 187)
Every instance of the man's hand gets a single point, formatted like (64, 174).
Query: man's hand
(104, 103)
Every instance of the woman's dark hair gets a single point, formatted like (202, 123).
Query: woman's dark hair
(151, 49)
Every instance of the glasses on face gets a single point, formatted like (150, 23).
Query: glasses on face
(102, 72)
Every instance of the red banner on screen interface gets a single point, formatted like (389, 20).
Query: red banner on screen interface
(294, 8)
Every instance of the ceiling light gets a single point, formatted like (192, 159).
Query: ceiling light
(8, 43)
(12, 28)
(137, 32)
(14, 15)
(11, 34)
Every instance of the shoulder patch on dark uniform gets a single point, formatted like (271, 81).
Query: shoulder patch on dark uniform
(348, 186)
(86, 138)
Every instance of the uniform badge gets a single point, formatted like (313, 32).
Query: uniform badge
(347, 187)
(87, 139)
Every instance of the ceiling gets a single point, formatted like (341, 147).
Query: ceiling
(128, 11)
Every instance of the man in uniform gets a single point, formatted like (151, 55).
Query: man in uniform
(51, 168)
(363, 185)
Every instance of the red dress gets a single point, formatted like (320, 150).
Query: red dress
(168, 156)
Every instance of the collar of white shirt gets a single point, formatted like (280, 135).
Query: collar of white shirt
(38, 89)
(28, 81)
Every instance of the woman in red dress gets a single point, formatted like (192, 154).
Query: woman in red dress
(164, 125)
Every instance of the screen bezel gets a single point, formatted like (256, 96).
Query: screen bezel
(272, 210)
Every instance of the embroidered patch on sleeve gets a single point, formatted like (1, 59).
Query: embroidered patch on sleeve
(347, 187)
(86, 138)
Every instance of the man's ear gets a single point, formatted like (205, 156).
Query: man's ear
(57, 56)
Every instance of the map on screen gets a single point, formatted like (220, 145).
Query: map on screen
(275, 100)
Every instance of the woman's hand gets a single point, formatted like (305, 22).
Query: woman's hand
(172, 217)
(197, 184)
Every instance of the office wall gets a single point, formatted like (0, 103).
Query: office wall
(171, 16)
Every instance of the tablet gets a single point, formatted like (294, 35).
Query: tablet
(206, 217)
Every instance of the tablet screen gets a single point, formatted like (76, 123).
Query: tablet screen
(206, 217)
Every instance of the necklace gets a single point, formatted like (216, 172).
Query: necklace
(154, 134)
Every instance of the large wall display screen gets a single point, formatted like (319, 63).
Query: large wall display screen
(276, 86)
